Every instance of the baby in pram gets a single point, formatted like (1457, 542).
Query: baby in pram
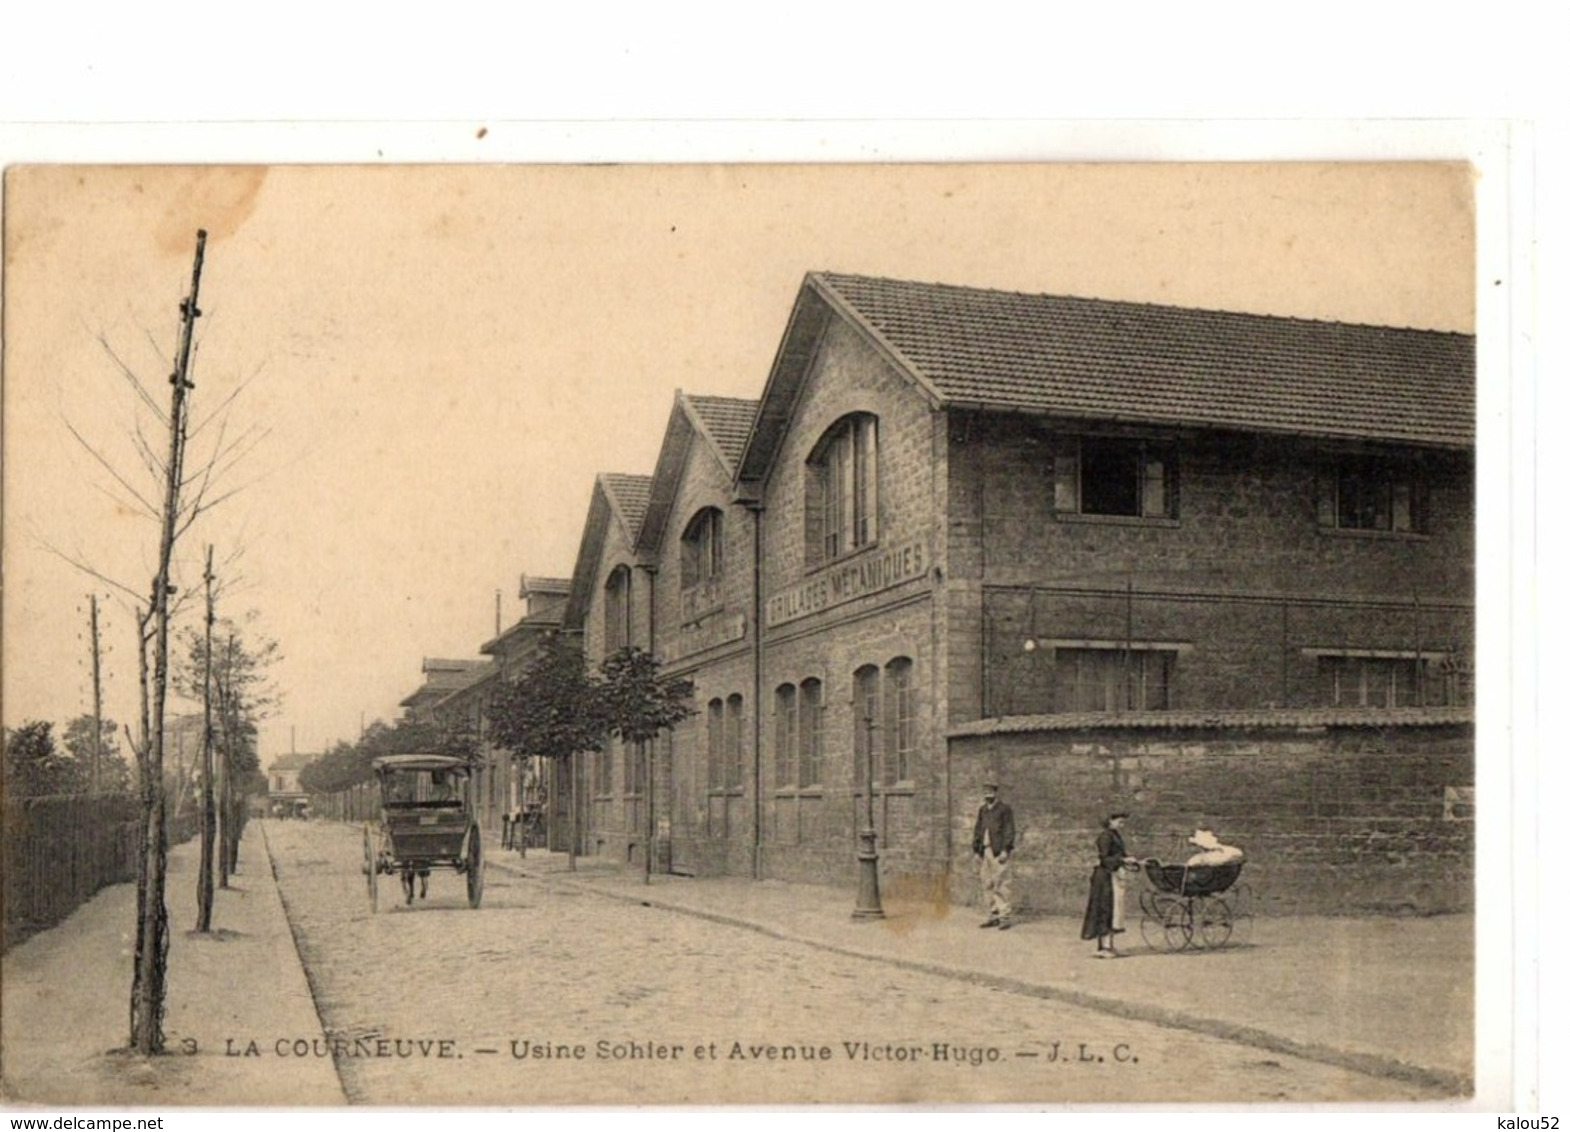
(1211, 851)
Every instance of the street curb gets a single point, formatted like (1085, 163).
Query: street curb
(1452, 1083)
(305, 969)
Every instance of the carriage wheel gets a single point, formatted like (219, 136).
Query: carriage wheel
(1213, 919)
(1177, 924)
(370, 867)
(474, 866)
(1151, 931)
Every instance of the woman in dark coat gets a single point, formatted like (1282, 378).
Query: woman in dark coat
(1104, 909)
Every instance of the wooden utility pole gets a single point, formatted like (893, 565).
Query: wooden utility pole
(150, 976)
(95, 769)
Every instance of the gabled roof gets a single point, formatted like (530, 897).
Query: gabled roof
(443, 677)
(531, 584)
(727, 422)
(617, 496)
(723, 423)
(1100, 360)
(629, 495)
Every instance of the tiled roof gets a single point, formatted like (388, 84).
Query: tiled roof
(1138, 362)
(445, 676)
(729, 421)
(630, 494)
(1219, 720)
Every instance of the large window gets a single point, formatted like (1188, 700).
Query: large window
(810, 771)
(1371, 681)
(1369, 494)
(618, 610)
(842, 490)
(702, 563)
(899, 734)
(1112, 679)
(1118, 477)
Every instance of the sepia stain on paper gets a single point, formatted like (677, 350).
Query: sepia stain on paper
(218, 199)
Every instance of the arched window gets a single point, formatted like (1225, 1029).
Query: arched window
(786, 735)
(865, 719)
(810, 763)
(618, 610)
(899, 729)
(703, 548)
(842, 489)
(716, 744)
(733, 743)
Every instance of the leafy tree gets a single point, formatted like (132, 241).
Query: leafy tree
(639, 704)
(349, 764)
(114, 773)
(555, 709)
(242, 695)
(34, 766)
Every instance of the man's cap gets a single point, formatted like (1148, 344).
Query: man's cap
(989, 784)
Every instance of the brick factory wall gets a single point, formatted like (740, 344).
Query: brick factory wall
(1334, 821)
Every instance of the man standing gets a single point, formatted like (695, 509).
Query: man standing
(993, 842)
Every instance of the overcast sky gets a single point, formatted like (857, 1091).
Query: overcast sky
(442, 357)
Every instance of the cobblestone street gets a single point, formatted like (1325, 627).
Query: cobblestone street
(550, 994)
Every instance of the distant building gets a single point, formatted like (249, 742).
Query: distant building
(285, 798)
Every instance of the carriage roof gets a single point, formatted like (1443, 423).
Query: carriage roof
(418, 762)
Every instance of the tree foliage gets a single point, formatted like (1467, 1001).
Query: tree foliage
(554, 709)
(639, 702)
(114, 773)
(34, 765)
(348, 764)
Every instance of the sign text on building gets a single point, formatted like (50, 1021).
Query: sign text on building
(868, 574)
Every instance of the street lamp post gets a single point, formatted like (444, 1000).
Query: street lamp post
(869, 904)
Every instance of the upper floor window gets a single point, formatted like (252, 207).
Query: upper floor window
(618, 610)
(1113, 476)
(1370, 681)
(1371, 494)
(842, 489)
(1112, 679)
(703, 549)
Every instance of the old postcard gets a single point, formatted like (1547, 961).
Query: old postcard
(743, 634)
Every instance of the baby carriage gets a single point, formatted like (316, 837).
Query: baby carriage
(1199, 906)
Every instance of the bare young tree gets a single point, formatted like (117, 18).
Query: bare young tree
(181, 497)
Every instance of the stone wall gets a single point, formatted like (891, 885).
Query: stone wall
(1335, 820)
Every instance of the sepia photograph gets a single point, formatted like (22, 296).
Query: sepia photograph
(516, 635)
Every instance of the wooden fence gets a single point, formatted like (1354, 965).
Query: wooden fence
(361, 802)
(60, 850)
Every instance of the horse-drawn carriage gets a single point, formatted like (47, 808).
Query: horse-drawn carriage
(427, 822)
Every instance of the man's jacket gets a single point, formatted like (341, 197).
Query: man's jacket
(997, 822)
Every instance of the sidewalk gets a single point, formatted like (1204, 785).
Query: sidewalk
(67, 992)
(1386, 996)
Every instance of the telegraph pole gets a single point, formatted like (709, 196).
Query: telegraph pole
(93, 770)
